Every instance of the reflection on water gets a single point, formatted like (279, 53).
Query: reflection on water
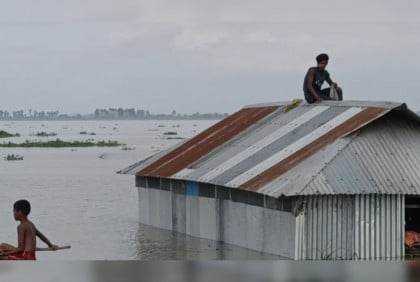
(153, 243)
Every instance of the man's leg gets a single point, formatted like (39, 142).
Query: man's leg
(309, 98)
(325, 94)
(340, 93)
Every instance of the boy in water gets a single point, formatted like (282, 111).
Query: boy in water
(27, 234)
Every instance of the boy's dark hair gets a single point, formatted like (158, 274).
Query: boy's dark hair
(22, 205)
(322, 57)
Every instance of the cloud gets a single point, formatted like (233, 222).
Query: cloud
(113, 49)
(199, 37)
(218, 11)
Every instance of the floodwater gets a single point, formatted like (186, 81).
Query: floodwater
(78, 199)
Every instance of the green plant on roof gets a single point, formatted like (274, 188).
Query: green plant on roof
(292, 105)
(13, 157)
(5, 134)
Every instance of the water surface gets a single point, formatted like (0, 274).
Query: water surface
(77, 198)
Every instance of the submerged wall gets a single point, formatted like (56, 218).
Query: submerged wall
(364, 227)
(220, 216)
(361, 227)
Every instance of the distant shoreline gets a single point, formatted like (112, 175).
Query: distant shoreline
(93, 119)
(106, 114)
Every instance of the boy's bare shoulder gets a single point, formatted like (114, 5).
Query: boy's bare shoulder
(32, 225)
(26, 225)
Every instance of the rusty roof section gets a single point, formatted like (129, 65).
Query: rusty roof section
(346, 128)
(302, 151)
(201, 145)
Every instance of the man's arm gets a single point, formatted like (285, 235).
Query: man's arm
(331, 83)
(309, 83)
(45, 239)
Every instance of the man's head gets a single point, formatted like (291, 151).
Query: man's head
(21, 209)
(322, 61)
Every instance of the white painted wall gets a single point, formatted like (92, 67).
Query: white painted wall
(252, 227)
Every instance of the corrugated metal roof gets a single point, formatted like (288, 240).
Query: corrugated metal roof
(205, 142)
(302, 150)
(384, 158)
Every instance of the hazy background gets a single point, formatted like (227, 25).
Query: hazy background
(75, 56)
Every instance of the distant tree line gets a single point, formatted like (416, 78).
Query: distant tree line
(35, 115)
(104, 114)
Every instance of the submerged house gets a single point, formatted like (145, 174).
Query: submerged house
(334, 180)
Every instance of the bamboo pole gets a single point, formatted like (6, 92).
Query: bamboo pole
(48, 249)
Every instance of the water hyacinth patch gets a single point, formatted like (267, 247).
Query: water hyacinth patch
(58, 143)
(5, 134)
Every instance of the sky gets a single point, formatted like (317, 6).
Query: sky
(208, 56)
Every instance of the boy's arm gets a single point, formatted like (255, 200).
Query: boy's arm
(45, 240)
(21, 242)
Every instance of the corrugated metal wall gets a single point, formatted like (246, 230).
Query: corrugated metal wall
(362, 227)
(379, 226)
(327, 229)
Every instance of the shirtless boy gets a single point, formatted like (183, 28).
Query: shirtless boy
(27, 234)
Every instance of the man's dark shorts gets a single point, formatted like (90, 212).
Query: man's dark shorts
(324, 93)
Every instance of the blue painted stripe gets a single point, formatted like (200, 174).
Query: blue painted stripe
(192, 188)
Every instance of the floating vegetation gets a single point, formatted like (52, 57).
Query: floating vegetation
(45, 134)
(86, 133)
(13, 157)
(58, 143)
(125, 148)
(177, 125)
(170, 133)
(5, 134)
(161, 125)
(174, 138)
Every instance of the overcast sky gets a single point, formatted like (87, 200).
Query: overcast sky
(207, 56)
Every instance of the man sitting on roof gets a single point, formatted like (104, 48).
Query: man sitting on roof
(314, 79)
